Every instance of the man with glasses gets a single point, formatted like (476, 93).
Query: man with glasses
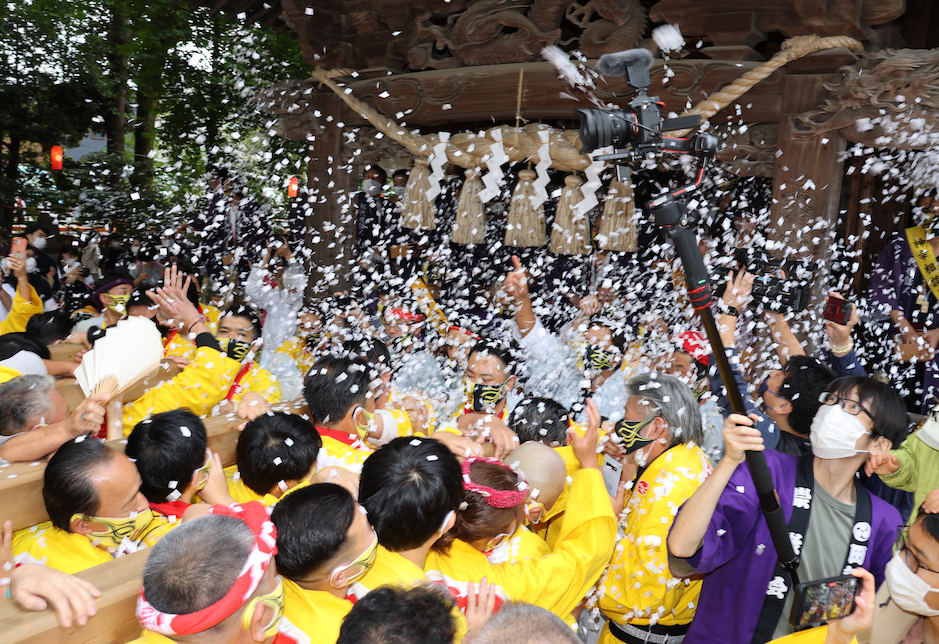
(211, 580)
(325, 544)
(720, 533)
(913, 583)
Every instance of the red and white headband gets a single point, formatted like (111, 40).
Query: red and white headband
(462, 330)
(257, 518)
(495, 498)
(401, 314)
(697, 346)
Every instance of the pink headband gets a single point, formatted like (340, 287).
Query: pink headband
(257, 518)
(495, 498)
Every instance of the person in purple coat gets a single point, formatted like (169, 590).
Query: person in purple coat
(720, 532)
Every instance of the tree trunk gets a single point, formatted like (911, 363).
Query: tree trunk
(114, 118)
(212, 118)
(144, 139)
(11, 173)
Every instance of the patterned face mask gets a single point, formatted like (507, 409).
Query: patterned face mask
(132, 528)
(598, 359)
(117, 303)
(485, 397)
(235, 349)
(628, 432)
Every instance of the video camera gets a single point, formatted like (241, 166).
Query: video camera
(635, 132)
(779, 285)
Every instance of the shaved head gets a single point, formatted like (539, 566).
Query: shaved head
(543, 469)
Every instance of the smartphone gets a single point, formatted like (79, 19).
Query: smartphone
(18, 248)
(837, 310)
(818, 602)
(611, 473)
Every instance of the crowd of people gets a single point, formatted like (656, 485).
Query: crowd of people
(479, 450)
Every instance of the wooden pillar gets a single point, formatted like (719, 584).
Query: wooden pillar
(806, 188)
(329, 217)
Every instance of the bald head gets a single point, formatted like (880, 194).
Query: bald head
(543, 469)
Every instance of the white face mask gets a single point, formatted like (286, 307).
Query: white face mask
(30, 265)
(371, 187)
(39, 243)
(908, 589)
(835, 433)
(399, 191)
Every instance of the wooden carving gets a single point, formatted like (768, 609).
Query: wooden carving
(608, 25)
(488, 32)
(513, 31)
(889, 99)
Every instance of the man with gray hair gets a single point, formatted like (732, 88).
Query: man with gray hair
(662, 466)
(35, 419)
(212, 580)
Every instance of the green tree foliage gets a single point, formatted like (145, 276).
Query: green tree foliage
(171, 88)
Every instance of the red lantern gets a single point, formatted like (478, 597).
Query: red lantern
(56, 157)
(293, 189)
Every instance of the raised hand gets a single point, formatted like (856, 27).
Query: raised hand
(740, 437)
(585, 447)
(516, 282)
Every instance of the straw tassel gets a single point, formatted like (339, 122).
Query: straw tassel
(618, 223)
(570, 234)
(418, 211)
(526, 224)
(469, 225)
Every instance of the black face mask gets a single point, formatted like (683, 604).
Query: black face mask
(402, 343)
(313, 340)
(628, 432)
(235, 349)
(598, 359)
(485, 397)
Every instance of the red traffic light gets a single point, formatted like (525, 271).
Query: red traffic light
(56, 157)
(293, 189)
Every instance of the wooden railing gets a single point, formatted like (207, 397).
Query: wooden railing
(119, 581)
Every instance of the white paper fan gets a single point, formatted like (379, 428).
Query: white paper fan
(125, 355)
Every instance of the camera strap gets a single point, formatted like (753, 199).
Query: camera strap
(802, 497)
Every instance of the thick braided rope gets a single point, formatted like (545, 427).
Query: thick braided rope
(521, 144)
(792, 49)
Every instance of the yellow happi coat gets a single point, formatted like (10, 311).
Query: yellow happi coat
(389, 569)
(70, 552)
(312, 616)
(201, 386)
(556, 582)
(638, 583)
(342, 449)
(523, 544)
(20, 312)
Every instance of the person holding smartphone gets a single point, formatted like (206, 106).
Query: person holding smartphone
(720, 532)
(26, 302)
